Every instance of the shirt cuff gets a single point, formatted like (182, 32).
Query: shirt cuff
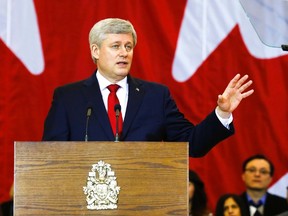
(225, 122)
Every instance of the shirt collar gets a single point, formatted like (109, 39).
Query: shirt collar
(103, 82)
(262, 200)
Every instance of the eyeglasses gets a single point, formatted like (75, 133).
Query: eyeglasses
(253, 170)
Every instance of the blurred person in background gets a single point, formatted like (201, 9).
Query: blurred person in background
(197, 196)
(257, 173)
(231, 205)
(6, 208)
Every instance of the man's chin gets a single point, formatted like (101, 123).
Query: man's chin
(124, 73)
(256, 188)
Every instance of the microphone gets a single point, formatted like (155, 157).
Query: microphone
(117, 109)
(88, 114)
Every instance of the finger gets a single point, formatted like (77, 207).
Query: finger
(234, 81)
(241, 81)
(248, 93)
(220, 98)
(245, 86)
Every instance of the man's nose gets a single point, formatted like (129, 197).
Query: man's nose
(123, 51)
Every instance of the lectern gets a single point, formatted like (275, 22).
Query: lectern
(50, 177)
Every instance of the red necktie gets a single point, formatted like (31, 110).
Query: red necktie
(112, 101)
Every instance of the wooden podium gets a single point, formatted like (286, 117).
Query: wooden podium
(49, 177)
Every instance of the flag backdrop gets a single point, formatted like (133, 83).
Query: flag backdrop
(195, 47)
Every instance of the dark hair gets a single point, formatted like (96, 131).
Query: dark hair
(258, 156)
(199, 200)
(236, 198)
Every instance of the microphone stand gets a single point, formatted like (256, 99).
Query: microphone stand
(117, 109)
(117, 126)
(89, 111)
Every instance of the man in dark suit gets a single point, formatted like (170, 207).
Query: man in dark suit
(257, 174)
(148, 111)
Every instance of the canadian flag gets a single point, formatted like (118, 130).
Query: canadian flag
(195, 47)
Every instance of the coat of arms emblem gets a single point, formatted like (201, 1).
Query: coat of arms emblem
(101, 190)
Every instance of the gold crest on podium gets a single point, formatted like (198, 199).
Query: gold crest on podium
(102, 189)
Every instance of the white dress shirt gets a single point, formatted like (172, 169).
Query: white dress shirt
(122, 92)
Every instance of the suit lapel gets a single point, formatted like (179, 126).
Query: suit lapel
(94, 97)
(136, 93)
(92, 92)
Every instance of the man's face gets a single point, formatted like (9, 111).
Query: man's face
(257, 175)
(114, 57)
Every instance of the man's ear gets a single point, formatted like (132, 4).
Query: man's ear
(243, 177)
(271, 178)
(94, 51)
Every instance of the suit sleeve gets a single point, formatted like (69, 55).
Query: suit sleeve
(201, 137)
(56, 125)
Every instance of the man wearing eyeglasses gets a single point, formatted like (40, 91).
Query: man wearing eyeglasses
(257, 175)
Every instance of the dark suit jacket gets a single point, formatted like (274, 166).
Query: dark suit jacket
(151, 115)
(274, 204)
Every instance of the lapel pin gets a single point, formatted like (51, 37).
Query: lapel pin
(137, 89)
